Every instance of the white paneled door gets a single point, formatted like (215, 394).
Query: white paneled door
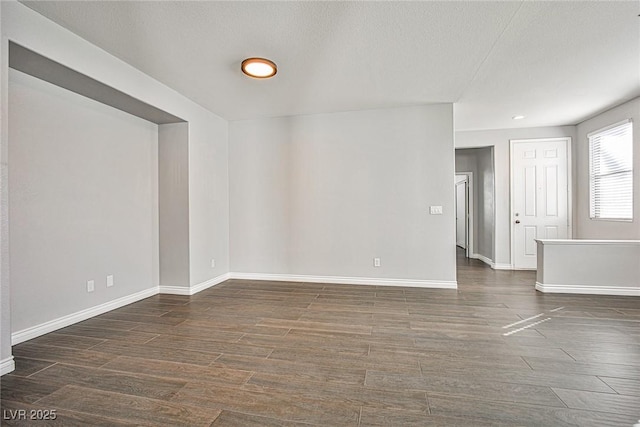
(539, 196)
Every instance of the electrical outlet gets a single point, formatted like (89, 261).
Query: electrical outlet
(376, 262)
(109, 280)
(213, 263)
(91, 285)
(435, 210)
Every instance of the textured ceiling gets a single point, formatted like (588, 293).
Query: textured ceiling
(554, 62)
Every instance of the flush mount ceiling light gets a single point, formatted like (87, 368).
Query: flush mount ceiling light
(259, 68)
(517, 117)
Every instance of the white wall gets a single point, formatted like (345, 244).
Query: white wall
(586, 228)
(499, 140)
(322, 195)
(82, 201)
(208, 173)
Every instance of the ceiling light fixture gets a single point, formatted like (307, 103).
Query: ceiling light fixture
(259, 68)
(517, 117)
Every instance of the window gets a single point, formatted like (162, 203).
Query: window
(611, 172)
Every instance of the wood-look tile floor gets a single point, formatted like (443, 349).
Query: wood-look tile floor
(269, 354)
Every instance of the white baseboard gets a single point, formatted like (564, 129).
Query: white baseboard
(347, 280)
(502, 266)
(174, 290)
(210, 283)
(587, 289)
(181, 290)
(79, 316)
(70, 319)
(483, 259)
(61, 322)
(7, 365)
(494, 265)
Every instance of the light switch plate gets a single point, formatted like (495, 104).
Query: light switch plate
(435, 210)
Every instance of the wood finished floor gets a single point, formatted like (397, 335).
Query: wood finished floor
(270, 354)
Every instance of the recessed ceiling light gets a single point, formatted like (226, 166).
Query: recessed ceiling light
(259, 68)
(517, 117)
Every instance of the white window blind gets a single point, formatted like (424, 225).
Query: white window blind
(611, 172)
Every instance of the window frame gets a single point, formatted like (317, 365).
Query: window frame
(591, 178)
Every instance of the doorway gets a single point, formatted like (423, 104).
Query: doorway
(540, 196)
(464, 212)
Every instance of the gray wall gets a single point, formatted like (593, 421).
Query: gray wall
(83, 201)
(260, 164)
(587, 228)
(589, 266)
(325, 194)
(5, 306)
(486, 203)
(479, 161)
(208, 197)
(499, 140)
(173, 203)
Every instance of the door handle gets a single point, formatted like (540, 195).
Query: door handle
(517, 221)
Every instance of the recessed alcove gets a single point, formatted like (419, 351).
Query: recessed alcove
(161, 207)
